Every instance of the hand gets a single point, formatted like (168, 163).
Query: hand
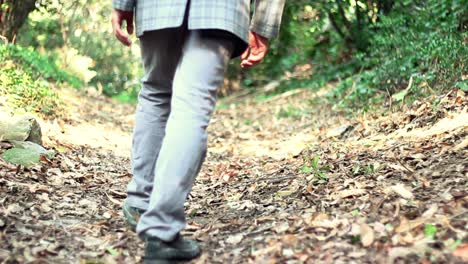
(118, 17)
(258, 48)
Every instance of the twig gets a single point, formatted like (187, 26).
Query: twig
(237, 96)
(120, 243)
(379, 204)
(273, 179)
(404, 165)
(4, 39)
(457, 215)
(397, 209)
(258, 231)
(113, 200)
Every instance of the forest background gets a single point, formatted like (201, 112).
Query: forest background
(376, 52)
(348, 144)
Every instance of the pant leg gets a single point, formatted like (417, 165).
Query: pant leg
(198, 76)
(161, 51)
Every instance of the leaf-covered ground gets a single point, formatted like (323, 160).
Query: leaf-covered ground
(288, 179)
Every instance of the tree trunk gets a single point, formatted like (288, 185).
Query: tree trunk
(13, 14)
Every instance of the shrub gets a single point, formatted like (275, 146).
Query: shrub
(418, 40)
(26, 81)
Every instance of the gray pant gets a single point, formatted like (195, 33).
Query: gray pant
(183, 71)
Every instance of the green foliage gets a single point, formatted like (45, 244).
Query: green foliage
(419, 42)
(37, 65)
(318, 172)
(430, 230)
(25, 80)
(371, 49)
(290, 112)
(79, 33)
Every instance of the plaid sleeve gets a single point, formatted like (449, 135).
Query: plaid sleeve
(125, 5)
(266, 20)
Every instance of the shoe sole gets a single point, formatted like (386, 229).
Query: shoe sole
(161, 261)
(169, 261)
(173, 258)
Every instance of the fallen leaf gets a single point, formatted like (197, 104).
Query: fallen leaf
(282, 227)
(289, 239)
(235, 239)
(461, 145)
(461, 251)
(401, 190)
(367, 235)
(431, 211)
(350, 192)
(13, 209)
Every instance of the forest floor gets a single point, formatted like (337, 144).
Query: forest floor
(288, 179)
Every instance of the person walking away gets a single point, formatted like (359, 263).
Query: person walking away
(185, 48)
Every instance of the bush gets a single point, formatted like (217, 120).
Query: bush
(85, 33)
(36, 65)
(419, 40)
(26, 80)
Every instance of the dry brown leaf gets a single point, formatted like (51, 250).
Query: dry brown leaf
(281, 228)
(406, 226)
(235, 239)
(397, 252)
(397, 167)
(461, 145)
(350, 192)
(461, 251)
(401, 190)
(367, 235)
(431, 211)
(289, 239)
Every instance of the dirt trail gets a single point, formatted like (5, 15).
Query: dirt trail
(288, 179)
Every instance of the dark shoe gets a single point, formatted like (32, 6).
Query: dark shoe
(132, 215)
(179, 249)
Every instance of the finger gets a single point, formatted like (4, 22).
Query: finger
(245, 54)
(115, 23)
(122, 37)
(256, 58)
(253, 60)
(246, 65)
(130, 26)
(117, 27)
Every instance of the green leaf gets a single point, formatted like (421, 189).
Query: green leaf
(462, 85)
(400, 95)
(113, 252)
(430, 230)
(357, 170)
(322, 175)
(315, 162)
(455, 244)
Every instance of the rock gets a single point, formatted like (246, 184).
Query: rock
(26, 153)
(271, 86)
(339, 131)
(22, 157)
(20, 128)
(33, 147)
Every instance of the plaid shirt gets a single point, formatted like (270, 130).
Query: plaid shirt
(229, 15)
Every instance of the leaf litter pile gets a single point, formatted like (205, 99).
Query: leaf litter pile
(288, 179)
